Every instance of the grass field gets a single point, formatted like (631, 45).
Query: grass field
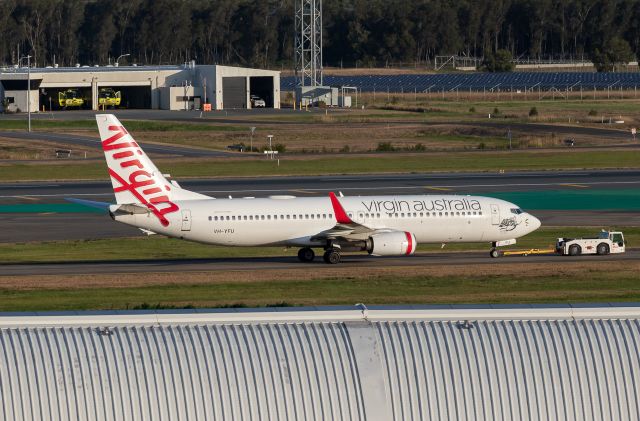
(605, 283)
(158, 247)
(345, 164)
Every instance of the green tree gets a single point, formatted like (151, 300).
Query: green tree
(501, 61)
(614, 52)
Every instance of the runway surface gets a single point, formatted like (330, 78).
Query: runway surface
(285, 263)
(38, 211)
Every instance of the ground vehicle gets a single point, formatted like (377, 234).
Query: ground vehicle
(108, 97)
(257, 102)
(70, 98)
(606, 242)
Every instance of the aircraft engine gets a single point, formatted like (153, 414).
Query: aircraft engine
(395, 243)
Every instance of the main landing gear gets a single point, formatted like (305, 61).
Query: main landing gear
(306, 254)
(331, 255)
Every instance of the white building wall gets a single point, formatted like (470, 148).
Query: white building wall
(155, 78)
(547, 363)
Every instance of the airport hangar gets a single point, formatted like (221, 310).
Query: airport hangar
(144, 87)
(553, 362)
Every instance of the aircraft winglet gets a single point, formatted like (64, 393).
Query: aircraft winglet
(341, 215)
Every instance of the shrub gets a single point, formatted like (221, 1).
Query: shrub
(533, 112)
(496, 111)
(419, 147)
(472, 109)
(593, 112)
(385, 147)
(481, 145)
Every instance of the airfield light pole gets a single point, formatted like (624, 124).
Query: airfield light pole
(270, 137)
(119, 57)
(28, 91)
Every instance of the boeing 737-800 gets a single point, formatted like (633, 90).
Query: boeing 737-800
(379, 225)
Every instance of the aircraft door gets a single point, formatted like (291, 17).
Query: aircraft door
(186, 220)
(495, 215)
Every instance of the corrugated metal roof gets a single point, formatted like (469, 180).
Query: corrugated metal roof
(401, 363)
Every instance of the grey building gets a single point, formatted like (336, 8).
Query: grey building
(145, 87)
(406, 363)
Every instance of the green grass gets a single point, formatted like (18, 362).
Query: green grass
(604, 285)
(158, 247)
(132, 125)
(388, 163)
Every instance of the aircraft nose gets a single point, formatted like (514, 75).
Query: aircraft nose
(534, 223)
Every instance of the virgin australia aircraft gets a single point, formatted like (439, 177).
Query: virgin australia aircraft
(379, 225)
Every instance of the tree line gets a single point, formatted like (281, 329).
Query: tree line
(355, 32)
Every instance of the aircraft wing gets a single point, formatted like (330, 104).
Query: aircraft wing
(345, 228)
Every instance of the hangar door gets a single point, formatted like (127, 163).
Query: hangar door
(234, 92)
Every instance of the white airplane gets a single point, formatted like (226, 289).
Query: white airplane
(380, 225)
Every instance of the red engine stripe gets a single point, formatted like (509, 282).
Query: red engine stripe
(410, 241)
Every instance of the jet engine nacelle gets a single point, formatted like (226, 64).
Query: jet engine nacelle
(395, 243)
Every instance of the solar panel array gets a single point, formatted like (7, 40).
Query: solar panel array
(479, 81)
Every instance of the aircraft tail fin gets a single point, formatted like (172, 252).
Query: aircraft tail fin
(134, 176)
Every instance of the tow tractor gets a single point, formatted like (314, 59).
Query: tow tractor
(607, 242)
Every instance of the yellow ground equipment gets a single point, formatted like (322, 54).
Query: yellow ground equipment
(525, 252)
(107, 97)
(70, 98)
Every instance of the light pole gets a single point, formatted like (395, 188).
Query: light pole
(119, 57)
(28, 91)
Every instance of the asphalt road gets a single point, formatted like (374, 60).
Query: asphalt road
(285, 263)
(378, 184)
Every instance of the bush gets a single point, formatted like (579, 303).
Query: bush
(481, 145)
(345, 149)
(593, 112)
(472, 109)
(280, 147)
(385, 147)
(496, 111)
(419, 147)
(500, 61)
(533, 112)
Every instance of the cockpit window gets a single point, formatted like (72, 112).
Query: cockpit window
(517, 211)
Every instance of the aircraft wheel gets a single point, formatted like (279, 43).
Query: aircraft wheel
(495, 253)
(306, 255)
(332, 256)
